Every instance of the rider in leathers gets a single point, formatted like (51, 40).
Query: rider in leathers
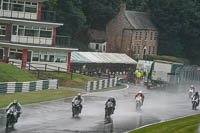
(196, 97)
(111, 99)
(80, 99)
(17, 106)
(141, 95)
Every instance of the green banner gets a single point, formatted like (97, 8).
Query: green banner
(18, 87)
(32, 86)
(3, 88)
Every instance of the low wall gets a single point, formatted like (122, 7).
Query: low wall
(101, 84)
(13, 87)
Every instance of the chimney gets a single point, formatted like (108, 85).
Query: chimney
(123, 6)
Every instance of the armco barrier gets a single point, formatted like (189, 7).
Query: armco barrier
(13, 87)
(101, 84)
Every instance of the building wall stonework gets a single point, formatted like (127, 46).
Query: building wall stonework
(114, 31)
(121, 37)
(150, 43)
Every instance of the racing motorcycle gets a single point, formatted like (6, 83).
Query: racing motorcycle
(76, 109)
(109, 109)
(138, 102)
(194, 103)
(11, 117)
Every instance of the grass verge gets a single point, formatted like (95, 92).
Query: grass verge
(9, 73)
(78, 80)
(112, 88)
(35, 97)
(184, 125)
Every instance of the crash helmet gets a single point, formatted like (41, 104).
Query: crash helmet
(140, 92)
(14, 101)
(111, 97)
(191, 86)
(79, 95)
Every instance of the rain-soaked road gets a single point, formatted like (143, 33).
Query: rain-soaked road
(55, 116)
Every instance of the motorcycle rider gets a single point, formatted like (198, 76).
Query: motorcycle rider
(111, 99)
(80, 99)
(192, 90)
(17, 106)
(196, 97)
(141, 95)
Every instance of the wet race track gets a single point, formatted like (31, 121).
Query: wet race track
(56, 116)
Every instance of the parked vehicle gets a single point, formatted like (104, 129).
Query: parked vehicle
(162, 73)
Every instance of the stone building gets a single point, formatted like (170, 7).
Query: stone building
(133, 33)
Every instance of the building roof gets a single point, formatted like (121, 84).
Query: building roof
(40, 48)
(34, 0)
(139, 20)
(20, 21)
(97, 57)
(97, 35)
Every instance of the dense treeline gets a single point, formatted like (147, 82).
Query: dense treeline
(177, 20)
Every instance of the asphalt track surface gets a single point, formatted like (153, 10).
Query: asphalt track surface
(56, 116)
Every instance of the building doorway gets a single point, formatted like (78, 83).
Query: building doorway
(29, 56)
(144, 52)
(51, 58)
(1, 53)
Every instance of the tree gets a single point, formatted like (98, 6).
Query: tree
(99, 12)
(178, 22)
(70, 13)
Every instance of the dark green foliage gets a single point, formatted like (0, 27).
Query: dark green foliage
(99, 12)
(79, 15)
(139, 5)
(168, 58)
(179, 24)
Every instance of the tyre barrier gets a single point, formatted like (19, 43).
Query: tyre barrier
(13, 87)
(101, 84)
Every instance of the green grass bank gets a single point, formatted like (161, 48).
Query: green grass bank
(77, 81)
(35, 97)
(184, 125)
(9, 73)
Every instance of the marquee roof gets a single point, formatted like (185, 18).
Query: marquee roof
(96, 57)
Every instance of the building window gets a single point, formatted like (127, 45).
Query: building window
(0, 4)
(153, 51)
(138, 50)
(20, 6)
(6, 4)
(134, 49)
(136, 35)
(17, 7)
(140, 38)
(155, 35)
(35, 56)
(151, 35)
(31, 7)
(146, 35)
(149, 50)
(2, 30)
(33, 31)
